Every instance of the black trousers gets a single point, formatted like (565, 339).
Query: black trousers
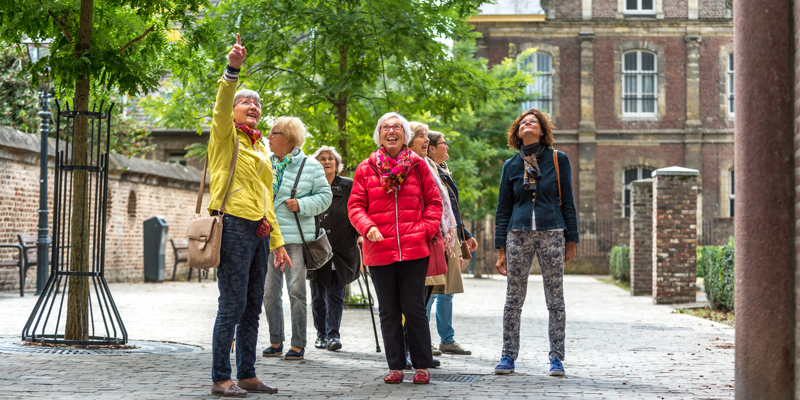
(327, 306)
(400, 288)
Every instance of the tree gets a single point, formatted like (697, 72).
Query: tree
(338, 65)
(121, 45)
(19, 102)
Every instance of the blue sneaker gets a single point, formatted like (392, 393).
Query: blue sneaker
(556, 368)
(506, 366)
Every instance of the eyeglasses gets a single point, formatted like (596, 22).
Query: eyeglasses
(248, 103)
(528, 122)
(395, 127)
(274, 133)
(442, 143)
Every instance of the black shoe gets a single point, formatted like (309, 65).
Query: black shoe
(321, 343)
(436, 363)
(334, 344)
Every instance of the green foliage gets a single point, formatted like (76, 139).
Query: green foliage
(718, 265)
(19, 101)
(620, 266)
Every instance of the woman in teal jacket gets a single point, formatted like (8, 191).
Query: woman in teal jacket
(535, 217)
(313, 197)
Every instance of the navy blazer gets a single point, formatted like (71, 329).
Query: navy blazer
(514, 205)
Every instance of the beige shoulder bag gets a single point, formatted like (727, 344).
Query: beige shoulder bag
(205, 233)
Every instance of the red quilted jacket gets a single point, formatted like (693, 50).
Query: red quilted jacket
(399, 216)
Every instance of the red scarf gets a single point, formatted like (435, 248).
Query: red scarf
(253, 134)
(393, 170)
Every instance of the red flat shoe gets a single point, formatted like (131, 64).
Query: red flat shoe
(394, 377)
(422, 377)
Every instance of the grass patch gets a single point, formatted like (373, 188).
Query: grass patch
(725, 317)
(620, 284)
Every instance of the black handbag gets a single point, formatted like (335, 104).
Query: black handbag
(316, 252)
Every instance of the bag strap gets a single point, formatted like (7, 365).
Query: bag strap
(294, 192)
(558, 176)
(227, 185)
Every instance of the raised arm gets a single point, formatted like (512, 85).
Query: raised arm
(222, 123)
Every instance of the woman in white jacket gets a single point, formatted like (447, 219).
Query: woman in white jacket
(313, 197)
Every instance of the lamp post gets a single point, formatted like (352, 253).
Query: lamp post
(37, 50)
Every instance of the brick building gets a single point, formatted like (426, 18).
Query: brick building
(632, 85)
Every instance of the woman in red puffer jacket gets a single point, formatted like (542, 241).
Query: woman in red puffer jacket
(395, 204)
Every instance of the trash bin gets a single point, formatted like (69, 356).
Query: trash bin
(155, 246)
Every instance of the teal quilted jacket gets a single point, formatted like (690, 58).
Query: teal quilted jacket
(313, 195)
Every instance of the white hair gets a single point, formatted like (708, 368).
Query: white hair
(246, 94)
(376, 137)
(334, 153)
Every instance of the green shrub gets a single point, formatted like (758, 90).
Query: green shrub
(701, 272)
(719, 275)
(621, 263)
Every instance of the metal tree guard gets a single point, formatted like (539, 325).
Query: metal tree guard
(47, 322)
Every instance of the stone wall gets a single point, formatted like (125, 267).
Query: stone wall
(138, 189)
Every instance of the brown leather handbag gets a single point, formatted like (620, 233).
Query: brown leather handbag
(205, 233)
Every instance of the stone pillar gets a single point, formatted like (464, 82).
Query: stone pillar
(587, 138)
(766, 234)
(586, 9)
(674, 235)
(642, 237)
(693, 137)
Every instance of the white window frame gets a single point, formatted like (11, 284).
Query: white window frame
(627, 188)
(639, 10)
(534, 88)
(731, 193)
(729, 86)
(639, 73)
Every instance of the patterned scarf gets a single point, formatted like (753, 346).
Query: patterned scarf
(530, 156)
(394, 170)
(253, 134)
(449, 224)
(277, 171)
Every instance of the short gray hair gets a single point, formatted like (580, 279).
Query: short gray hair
(246, 94)
(334, 153)
(376, 137)
(434, 137)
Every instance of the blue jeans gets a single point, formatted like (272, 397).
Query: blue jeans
(240, 278)
(444, 316)
(327, 306)
(298, 302)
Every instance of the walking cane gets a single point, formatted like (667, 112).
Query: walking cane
(362, 273)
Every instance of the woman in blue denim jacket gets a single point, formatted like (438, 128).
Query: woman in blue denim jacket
(535, 217)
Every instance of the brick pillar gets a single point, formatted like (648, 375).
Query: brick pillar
(674, 235)
(642, 237)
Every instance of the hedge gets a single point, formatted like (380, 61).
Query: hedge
(621, 263)
(717, 265)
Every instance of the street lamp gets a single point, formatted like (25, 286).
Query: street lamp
(36, 51)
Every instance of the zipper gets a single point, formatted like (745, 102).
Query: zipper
(397, 226)
(233, 192)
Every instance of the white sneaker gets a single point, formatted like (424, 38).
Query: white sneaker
(435, 351)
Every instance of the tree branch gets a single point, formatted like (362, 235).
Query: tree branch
(63, 28)
(137, 39)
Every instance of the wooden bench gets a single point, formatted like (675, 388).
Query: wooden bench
(180, 248)
(18, 263)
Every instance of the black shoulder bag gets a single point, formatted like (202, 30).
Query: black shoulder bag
(316, 252)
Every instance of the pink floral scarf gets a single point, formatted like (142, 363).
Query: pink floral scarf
(393, 170)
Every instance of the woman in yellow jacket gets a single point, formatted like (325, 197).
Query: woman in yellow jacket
(248, 224)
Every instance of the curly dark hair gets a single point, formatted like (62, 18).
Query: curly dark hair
(547, 127)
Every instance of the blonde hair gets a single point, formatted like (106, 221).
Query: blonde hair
(292, 129)
(420, 130)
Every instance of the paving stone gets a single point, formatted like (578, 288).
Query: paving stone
(618, 347)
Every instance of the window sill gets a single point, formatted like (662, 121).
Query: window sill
(639, 118)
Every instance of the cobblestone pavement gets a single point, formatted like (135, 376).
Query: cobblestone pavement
(618, 347)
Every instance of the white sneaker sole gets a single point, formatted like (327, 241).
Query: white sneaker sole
(556, 373)
(503, 371)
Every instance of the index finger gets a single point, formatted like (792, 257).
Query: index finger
(238, 39)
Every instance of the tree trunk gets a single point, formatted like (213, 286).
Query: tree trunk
(77, 327)
(341, 108)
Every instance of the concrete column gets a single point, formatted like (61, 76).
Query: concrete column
(674, 235)
(587, 177)
(642, 237)
(766, 84)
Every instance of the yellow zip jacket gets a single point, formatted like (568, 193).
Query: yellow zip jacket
(250, 192)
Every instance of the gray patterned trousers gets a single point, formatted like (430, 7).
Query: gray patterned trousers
(521, 247)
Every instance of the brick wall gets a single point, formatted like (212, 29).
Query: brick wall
(676, 8)
(674, 237)
(641, 238)
(569, 9)
(711, 8)
(160, 189)
(604, 9)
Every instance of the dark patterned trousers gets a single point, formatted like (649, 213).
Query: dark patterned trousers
(240, 278)
(521, 247)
